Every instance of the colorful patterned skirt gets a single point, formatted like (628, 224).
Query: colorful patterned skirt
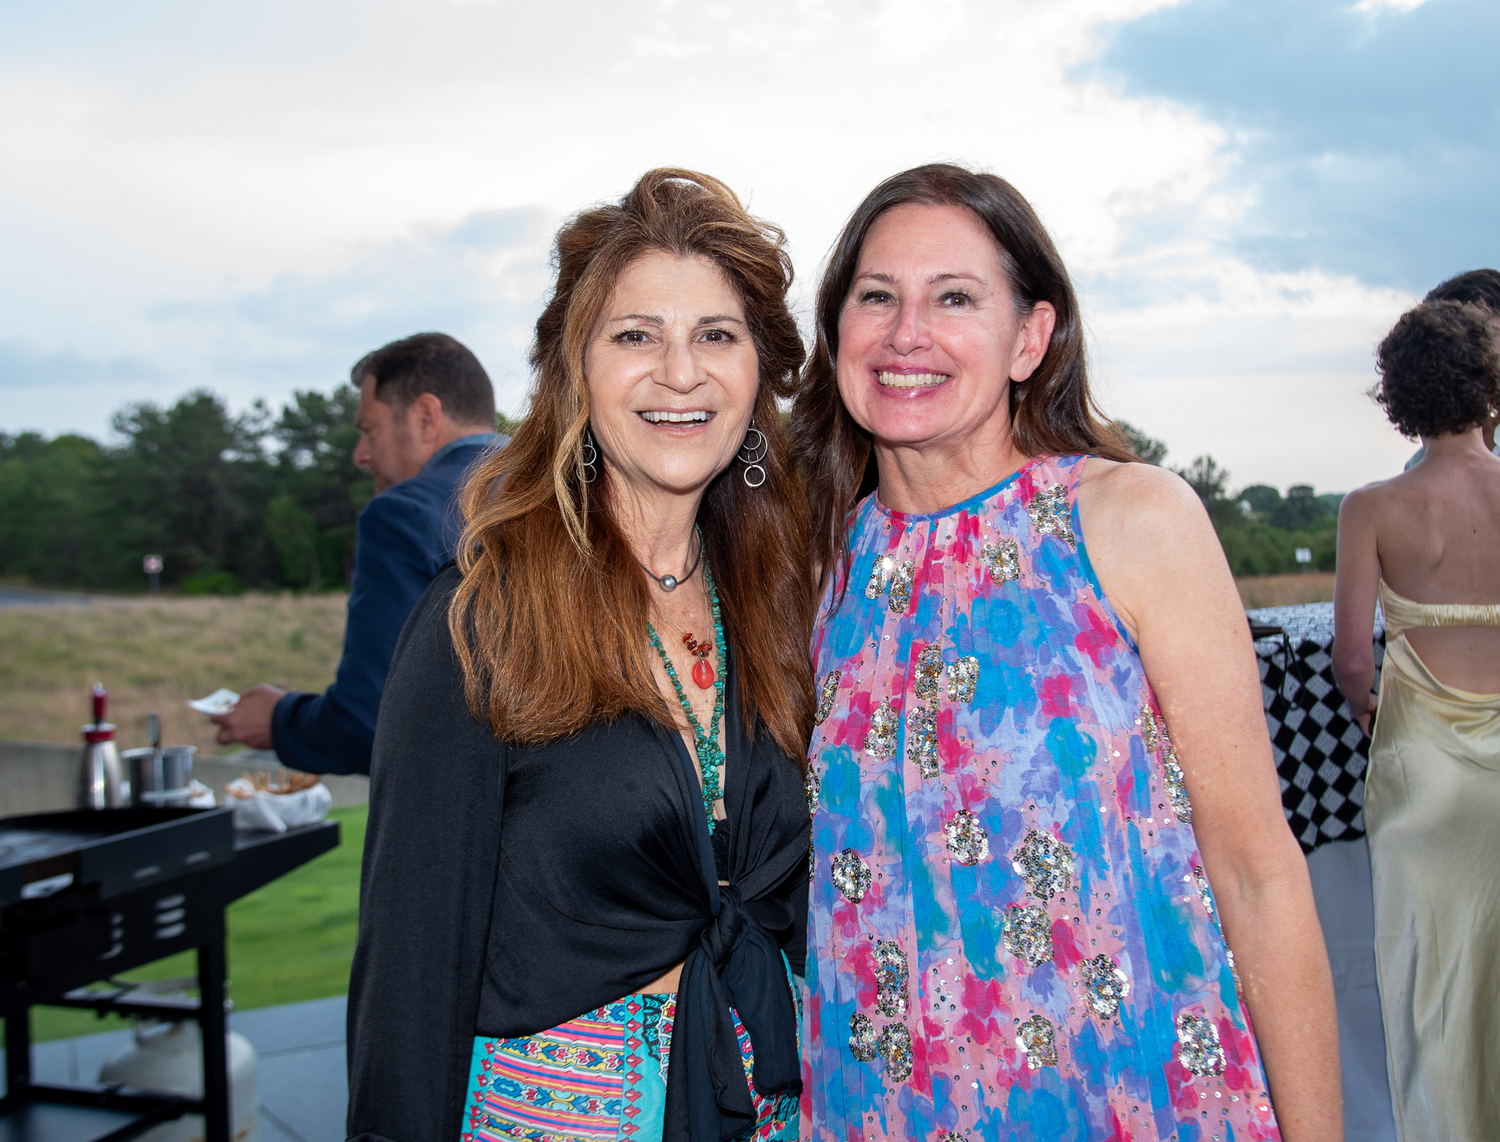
(599, 1078)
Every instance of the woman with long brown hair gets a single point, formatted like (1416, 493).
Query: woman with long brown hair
(1043, 776)
(586, 867)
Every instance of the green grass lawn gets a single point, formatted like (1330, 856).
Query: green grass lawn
(291, 940)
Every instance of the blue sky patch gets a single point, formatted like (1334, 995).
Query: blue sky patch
(1370, 140)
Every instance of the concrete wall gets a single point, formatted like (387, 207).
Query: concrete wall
(36, 777)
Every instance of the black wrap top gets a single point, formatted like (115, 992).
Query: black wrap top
(508, 889)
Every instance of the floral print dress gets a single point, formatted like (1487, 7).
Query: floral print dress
(1011, 933)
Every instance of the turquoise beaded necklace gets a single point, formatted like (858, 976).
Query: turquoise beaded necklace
(705, 744)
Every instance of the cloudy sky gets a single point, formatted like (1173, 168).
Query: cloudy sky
(247, 196)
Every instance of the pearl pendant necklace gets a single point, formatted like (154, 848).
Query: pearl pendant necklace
(670, 582)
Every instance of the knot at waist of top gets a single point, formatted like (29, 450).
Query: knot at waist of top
(736, 968)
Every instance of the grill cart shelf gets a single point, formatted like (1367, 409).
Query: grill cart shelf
(88, 895)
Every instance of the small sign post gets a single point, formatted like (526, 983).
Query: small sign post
(1304, 558)
(152, 565)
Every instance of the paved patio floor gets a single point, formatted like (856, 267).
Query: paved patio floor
(303, 1090)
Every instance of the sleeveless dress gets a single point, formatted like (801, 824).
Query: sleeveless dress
(1432, 811)
(1011, 934)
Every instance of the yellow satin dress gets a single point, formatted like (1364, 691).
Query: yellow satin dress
(1432, 811)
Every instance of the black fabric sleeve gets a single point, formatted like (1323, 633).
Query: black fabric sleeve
(426, 892)
(794, 939)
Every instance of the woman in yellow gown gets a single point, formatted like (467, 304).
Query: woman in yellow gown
(1426, 542)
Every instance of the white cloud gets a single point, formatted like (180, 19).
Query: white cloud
(1378, 7)
(225, 199)
(1268, 373)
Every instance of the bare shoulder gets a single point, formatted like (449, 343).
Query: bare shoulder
(1364, 506)
(1150, 541)
(1363, 498)
(1131, 504)
(1357, 505)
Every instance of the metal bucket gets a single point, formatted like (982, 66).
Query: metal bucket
(160, 777)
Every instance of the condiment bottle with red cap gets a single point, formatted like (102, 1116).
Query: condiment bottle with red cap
(100, 781)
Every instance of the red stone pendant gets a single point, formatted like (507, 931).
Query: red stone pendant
(703, 674)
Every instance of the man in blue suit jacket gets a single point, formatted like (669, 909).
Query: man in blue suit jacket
(426, 412)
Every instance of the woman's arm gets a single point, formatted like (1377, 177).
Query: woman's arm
(1355, 587)
(431, 849)
(1161, 566)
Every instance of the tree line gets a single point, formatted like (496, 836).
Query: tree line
(258, 500)
(267, 501)
(1260, 529)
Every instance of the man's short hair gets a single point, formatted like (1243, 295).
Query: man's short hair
(1477, 287)
(1440, 372)
(429, 363)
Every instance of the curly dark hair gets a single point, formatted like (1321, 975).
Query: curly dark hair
(1477, 287)
(1440, 371)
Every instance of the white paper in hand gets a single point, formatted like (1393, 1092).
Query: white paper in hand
(221, 701)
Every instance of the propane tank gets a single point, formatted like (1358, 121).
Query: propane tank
(169, 1057)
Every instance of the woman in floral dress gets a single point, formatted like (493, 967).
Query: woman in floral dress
(1044, 803)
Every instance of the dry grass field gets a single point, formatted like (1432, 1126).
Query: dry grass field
(155, 654)
(1286, 590)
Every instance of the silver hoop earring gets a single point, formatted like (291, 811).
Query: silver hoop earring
(751, 453)
(589, 455)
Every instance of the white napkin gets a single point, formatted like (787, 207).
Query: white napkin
(277, 812)
(221, 701)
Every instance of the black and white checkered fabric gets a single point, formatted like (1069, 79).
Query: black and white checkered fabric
(1321, 753)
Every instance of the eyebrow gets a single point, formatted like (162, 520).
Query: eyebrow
(877, 276)
(655, 319)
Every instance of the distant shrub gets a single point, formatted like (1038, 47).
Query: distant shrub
(212, 583)
(1300, 510)
(1325, 549)
(1206, 477)
(1257, 549)
(1148, 448)
(1262, 498)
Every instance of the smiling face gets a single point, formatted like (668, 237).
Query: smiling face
(672, 375)
(929, 337)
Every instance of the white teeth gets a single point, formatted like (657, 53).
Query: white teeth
(697, 416)
(911, 380)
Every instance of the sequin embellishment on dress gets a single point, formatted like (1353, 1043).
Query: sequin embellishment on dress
(1003, 559)
(851, 876)
(1038, 1042)
(1028, 934)
(884, 725)
(1046, 865)
(1104, 985)
(862, 1043)
(1201, 1051)
(967, 840)
(826, 698)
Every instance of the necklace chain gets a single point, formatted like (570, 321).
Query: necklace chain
(672, 582)
(705, 744)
